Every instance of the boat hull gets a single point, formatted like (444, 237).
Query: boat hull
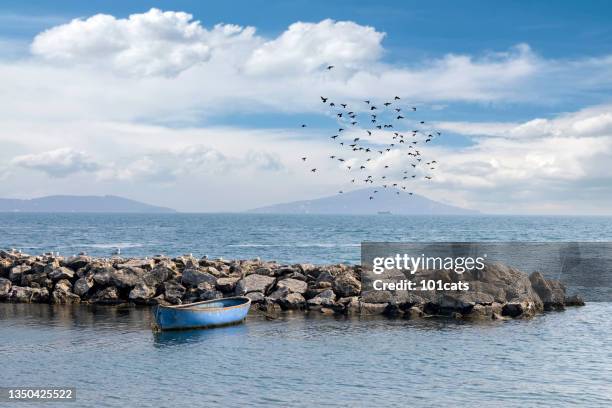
(207, 314)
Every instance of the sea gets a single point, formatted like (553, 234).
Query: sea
(113, 359)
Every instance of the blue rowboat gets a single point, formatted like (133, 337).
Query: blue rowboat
(210, 313)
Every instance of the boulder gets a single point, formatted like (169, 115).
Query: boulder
(158, 275)
(210, 295)
(108, 295)
(61, 273)
(227, 285)
(278, 294)
(142, 293)
(523, 308)
(39, 295)
(5, 288)
(254, 283)
(17, 271)
(20, 294)
(126, 278)
(77, 262)
(574, 300)
(292, 301)
(193, 277)
(173, 292)
(368, 309)
(62, 293)
(551, 292)
(326, 298)
(82, 286)
(102, 275)
(324, 280)
(29, 279)
(292, 285)
(347, 285)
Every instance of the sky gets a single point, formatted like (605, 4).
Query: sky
(198, 106)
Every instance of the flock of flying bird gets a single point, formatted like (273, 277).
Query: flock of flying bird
(384, 123)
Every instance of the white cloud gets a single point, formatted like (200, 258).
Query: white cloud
(306, 47)
(151, 43)
(58, 163)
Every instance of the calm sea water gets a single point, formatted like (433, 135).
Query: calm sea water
(114, 360)
(286, 238)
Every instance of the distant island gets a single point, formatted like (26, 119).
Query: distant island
(386, 201)
(71, 203)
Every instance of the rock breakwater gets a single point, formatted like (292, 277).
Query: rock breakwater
(499, 292)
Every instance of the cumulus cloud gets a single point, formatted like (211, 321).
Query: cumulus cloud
(151, 43)
(305, 47)
(58, 163)
(542, 164)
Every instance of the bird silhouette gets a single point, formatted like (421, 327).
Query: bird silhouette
(303, 159)
(330, 67)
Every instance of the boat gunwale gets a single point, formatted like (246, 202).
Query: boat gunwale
(192, 307)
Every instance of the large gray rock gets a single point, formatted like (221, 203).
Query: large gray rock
(77, 262)
(292, 285)
(61, 273)
(17, 271)
(158, 275)
(107, 296)
(62, 293)
(142, 293)
(326, 299)
(102, 275)
(82, 286)
(174, 292)
(292, 301)
(20, 294)
(371, 309)
(5, 288)
(524, 308)
(551, 292)
(254, 283)
(347, 285)
(256, 297)
(193, 277)
(227, 285)
(126, 278)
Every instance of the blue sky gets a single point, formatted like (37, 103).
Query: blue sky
(522, 91)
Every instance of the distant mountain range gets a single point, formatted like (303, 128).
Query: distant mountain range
(69, 203)
(358, 202)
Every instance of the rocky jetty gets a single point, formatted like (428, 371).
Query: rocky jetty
(499, 292)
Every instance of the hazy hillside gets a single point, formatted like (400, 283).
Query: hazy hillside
(358, 202)
(67, 203)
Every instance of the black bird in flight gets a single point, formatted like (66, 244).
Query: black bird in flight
(371, 198)
(340, 130)
(334, 136)
(343, 105)
(303, 159)
(339, 114)
(400, 117)
(329, 67)
(368, 102)
(397, 98)
(303, 125)
(324, 99)
(313, 170)
(387, 103)
(332, 104)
